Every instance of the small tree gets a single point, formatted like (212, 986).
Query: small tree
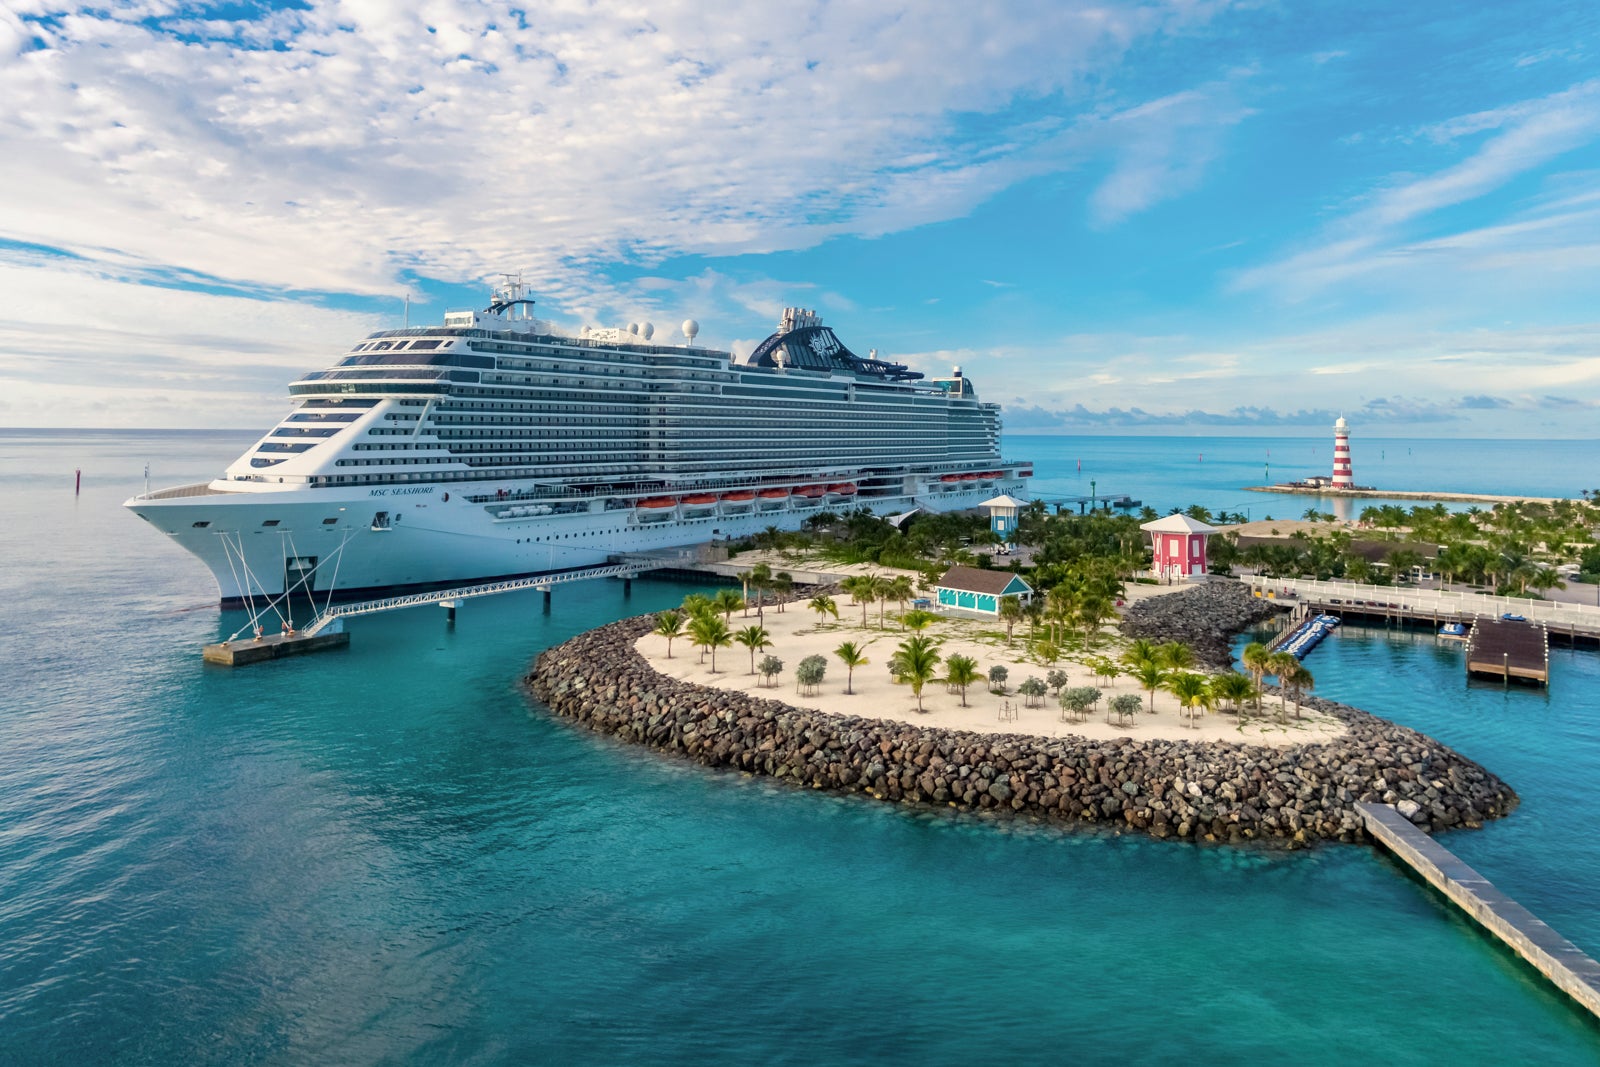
(961, 671)
(918, 620)
(782, 586)
(1126, 706)
(728, 602)
(1056, 680)
(769, 667)
(1150, 677)
(824, 606)
(1048, 652)
(756, 639)
(997, 679)
(1075, 701)
(710, 632)
(669, 624)
(1192, 691)
(1033, 691)
(1010, 613)
(1104, 669)
(852, 656)
(915, 662)
(809, 674)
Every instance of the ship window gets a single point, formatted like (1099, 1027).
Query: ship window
(271, 522)
(202, 524)
(329, 522)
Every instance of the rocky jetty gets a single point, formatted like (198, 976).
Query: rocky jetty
(1170, 789)
(1204, 617)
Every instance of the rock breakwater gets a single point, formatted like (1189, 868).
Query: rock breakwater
(1204, 617)
(1169, 789)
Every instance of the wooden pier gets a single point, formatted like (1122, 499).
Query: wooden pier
(1509, 649)
(1552, 955)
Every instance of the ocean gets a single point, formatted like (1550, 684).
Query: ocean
(386, 854)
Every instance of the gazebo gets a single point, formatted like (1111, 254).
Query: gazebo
(973, 589)
(1179, 544)
(1003, 515)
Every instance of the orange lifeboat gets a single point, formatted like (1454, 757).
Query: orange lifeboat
(810, 492)
(843, 489)
(951, 478)
(969, 477)
(774, 494)
(701, 498)
(658, 502)
(738, 496)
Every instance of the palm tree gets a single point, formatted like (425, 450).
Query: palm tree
(782, 586)
(1234, 688)
(901, 589)
(918, 620)
(1280, 664)
(727, 602)
(1034, 611)
(915, 662)
(760, 577)
(756, 639)
(1299, 681)
(710, 632)
(1092, 611)
(1058, 607)
(1255, 657)
(1141, 651)
(862, 589)
(696, 604)
(960, 672)
(852, 656)
(824, 606)
(669, 624)
(1192, 691)
(1176, 655)
(1010, 612)
(1150, 676)
(883, 592)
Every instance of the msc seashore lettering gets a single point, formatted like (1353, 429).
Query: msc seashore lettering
(409, 491)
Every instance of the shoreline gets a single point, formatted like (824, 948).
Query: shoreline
(1210, 790)
(1402, 494)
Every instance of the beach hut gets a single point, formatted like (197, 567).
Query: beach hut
(1179, 544)
(971, 589)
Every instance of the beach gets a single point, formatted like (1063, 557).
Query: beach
(797, 632)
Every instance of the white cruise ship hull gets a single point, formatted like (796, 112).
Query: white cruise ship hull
(405, 538)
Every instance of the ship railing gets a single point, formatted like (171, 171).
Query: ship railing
(198, 489)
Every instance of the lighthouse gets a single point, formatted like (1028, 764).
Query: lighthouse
(1342, 478)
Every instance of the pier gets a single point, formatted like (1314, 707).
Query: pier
(326, 631)
(1552, 955)
(1509, 649)
(1578, 624)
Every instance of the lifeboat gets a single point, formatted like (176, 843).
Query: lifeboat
(699, 499)
(1025, 474)
(969, 477)
(842, 489)
(810, 492)
(654, 502)
(739, 496)
(951, 478)
(773, 499)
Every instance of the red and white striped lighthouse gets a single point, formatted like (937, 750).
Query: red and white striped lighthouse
(1342, 478)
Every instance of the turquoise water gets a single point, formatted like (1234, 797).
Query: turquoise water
(1168, 472)
(385, 855)
(1544, 743)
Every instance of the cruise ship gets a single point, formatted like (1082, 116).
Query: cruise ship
(493, 446)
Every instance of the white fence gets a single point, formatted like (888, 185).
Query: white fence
(1433, 601)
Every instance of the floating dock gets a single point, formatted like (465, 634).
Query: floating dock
(1552, 955)
(271, 646)
(1509, 649)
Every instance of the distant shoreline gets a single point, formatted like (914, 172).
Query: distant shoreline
(1402, 494)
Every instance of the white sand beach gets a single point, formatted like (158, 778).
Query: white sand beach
(797, 633)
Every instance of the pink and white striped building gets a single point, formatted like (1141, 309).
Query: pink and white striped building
(1342, 476)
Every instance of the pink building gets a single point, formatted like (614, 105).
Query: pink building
(1179, 544)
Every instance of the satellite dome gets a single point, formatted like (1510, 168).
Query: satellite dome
(690, 329)
(647, 331)
(633, 327)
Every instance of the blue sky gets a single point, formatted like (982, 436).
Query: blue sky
(1184, 217)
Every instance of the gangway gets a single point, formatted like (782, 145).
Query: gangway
(629, 569)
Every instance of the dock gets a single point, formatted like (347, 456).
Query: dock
(250, 650)
(1552, 955)
(1509, 650)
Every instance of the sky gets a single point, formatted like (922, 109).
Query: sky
(1154, 217)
